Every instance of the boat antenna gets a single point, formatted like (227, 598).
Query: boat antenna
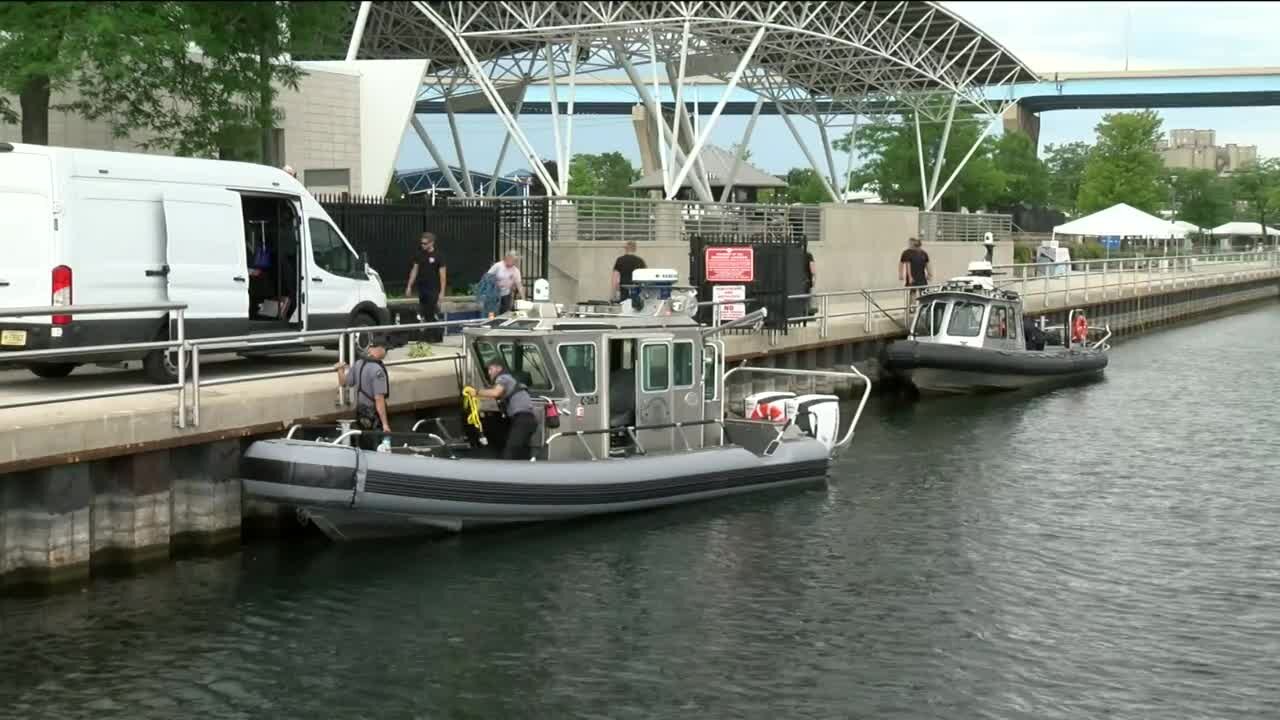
(989, 240)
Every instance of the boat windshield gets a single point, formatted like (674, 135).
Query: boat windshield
(929, 318)
(966, 319)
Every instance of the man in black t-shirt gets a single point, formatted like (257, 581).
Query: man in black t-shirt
(624, 267)
(432, 278)
(913, 265)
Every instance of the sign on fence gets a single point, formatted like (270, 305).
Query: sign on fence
(726, 293)
(730, 264)
(1111, 242)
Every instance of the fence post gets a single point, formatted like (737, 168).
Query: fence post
(825, 310)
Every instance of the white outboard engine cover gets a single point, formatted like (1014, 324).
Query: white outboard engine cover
(817, 416)
(769, 406)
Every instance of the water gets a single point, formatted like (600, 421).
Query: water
(1109, 550)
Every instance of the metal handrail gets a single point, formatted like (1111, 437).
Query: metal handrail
(856, 373)
(88, 309)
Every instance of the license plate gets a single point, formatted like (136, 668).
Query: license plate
(13, 338)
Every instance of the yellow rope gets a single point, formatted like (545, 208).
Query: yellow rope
(471, 404)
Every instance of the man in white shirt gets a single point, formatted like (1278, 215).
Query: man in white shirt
(507, 275)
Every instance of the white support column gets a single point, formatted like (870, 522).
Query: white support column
(804, 147)
(941, 159)
(568, 135)
(357, 35)
(680, 121)
(826, 147)
(555, 119)
(964, 161)
(848, 163)
(457, 148)
(715, 114)
(435, 155)
(491, 93)
(655, 111)
(924, 186)
(742, 151)
(662, 124)
(678, 84)
(502, 151)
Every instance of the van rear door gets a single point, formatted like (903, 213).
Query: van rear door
(27, 247)
(205, 253)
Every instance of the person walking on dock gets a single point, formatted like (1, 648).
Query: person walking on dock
(432, 277)
(507, 275)
(913, 267)
(369, 377)
(623, 268)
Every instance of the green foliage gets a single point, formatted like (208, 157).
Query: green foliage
(217, 102)
(1025, 178)
(803, 186)
(1200, 197)
(604, 175)
(892, 165)
(1124, 166)
(1065, 164)
(1258, 185)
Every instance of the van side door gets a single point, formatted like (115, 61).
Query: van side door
(206, 258)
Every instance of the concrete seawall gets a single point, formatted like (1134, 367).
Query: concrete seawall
(91, 485)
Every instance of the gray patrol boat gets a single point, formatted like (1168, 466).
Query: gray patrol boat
(631, 402)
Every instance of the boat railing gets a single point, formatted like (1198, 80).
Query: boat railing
(631, 431)
(853, 374)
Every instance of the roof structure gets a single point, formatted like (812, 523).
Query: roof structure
(432, 180)
(813, 60)
(1251, 229)
(1121, 220)
(719, 165)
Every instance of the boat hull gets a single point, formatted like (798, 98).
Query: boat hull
(350, 493)
(952, 369)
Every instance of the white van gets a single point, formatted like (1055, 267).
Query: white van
(245, 246)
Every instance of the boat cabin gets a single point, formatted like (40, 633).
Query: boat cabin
(970, 311)
(647, 363)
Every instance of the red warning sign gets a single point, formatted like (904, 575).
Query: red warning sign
(730, 264)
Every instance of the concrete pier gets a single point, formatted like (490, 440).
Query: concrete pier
(91, 485)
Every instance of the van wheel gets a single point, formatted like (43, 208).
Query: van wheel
(161, 366)
(52, 371)
(362, 338)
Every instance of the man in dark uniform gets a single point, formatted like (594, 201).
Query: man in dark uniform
(623, 268)
(432, 278)
(913, 267)
(517, 404)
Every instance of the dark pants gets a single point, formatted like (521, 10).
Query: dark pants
(520, 431)
(429, 309)
(507, 302)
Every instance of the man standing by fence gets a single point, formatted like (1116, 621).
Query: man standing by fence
(913, 267)
(626, 264)
(431, 275)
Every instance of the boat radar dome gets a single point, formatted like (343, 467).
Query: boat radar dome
(541, 290)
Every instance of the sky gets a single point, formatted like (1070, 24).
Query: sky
(1048, 36)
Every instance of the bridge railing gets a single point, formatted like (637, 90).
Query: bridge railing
(1064, 284)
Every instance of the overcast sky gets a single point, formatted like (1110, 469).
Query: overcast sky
(1048, 36)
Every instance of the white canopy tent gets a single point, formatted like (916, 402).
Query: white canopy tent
(1124, 221)
(1251, 229)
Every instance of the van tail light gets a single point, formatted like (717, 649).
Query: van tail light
(61, 293)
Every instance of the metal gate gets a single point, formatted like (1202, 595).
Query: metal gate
(780, 271)
(387, 234)
(522, 229)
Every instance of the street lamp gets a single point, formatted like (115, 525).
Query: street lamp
(1173, 208)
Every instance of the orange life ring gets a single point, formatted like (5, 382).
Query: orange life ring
(1079, 329)
(767, 411)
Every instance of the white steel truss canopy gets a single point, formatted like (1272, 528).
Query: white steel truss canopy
(851, 53)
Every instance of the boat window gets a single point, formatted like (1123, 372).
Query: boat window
(523, 360)
(682, 364)
(710, 378)
(656, 367)
(929, 319)
(966, 319)
(998, 322)
(580, 363)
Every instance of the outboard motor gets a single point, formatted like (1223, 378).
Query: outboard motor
(817, 416)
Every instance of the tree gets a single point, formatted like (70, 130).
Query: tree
(44, 46)
(603, 175)
(1200, 197)
(215, 100)
(1065, 164)
(1124, 166)
(1025, 179)
(803, 186)
(892, 165)
(1258, 184)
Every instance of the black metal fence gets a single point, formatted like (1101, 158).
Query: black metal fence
(523, 225)
(387, 233)
(780, 263)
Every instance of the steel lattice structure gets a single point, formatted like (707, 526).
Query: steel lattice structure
(817, 60)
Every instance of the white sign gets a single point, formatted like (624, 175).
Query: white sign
(724, 294)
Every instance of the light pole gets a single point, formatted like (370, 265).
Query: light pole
(1173, 210)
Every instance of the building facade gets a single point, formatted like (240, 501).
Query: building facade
(1198, 150)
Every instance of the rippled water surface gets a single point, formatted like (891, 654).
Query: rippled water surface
(1108, 550)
